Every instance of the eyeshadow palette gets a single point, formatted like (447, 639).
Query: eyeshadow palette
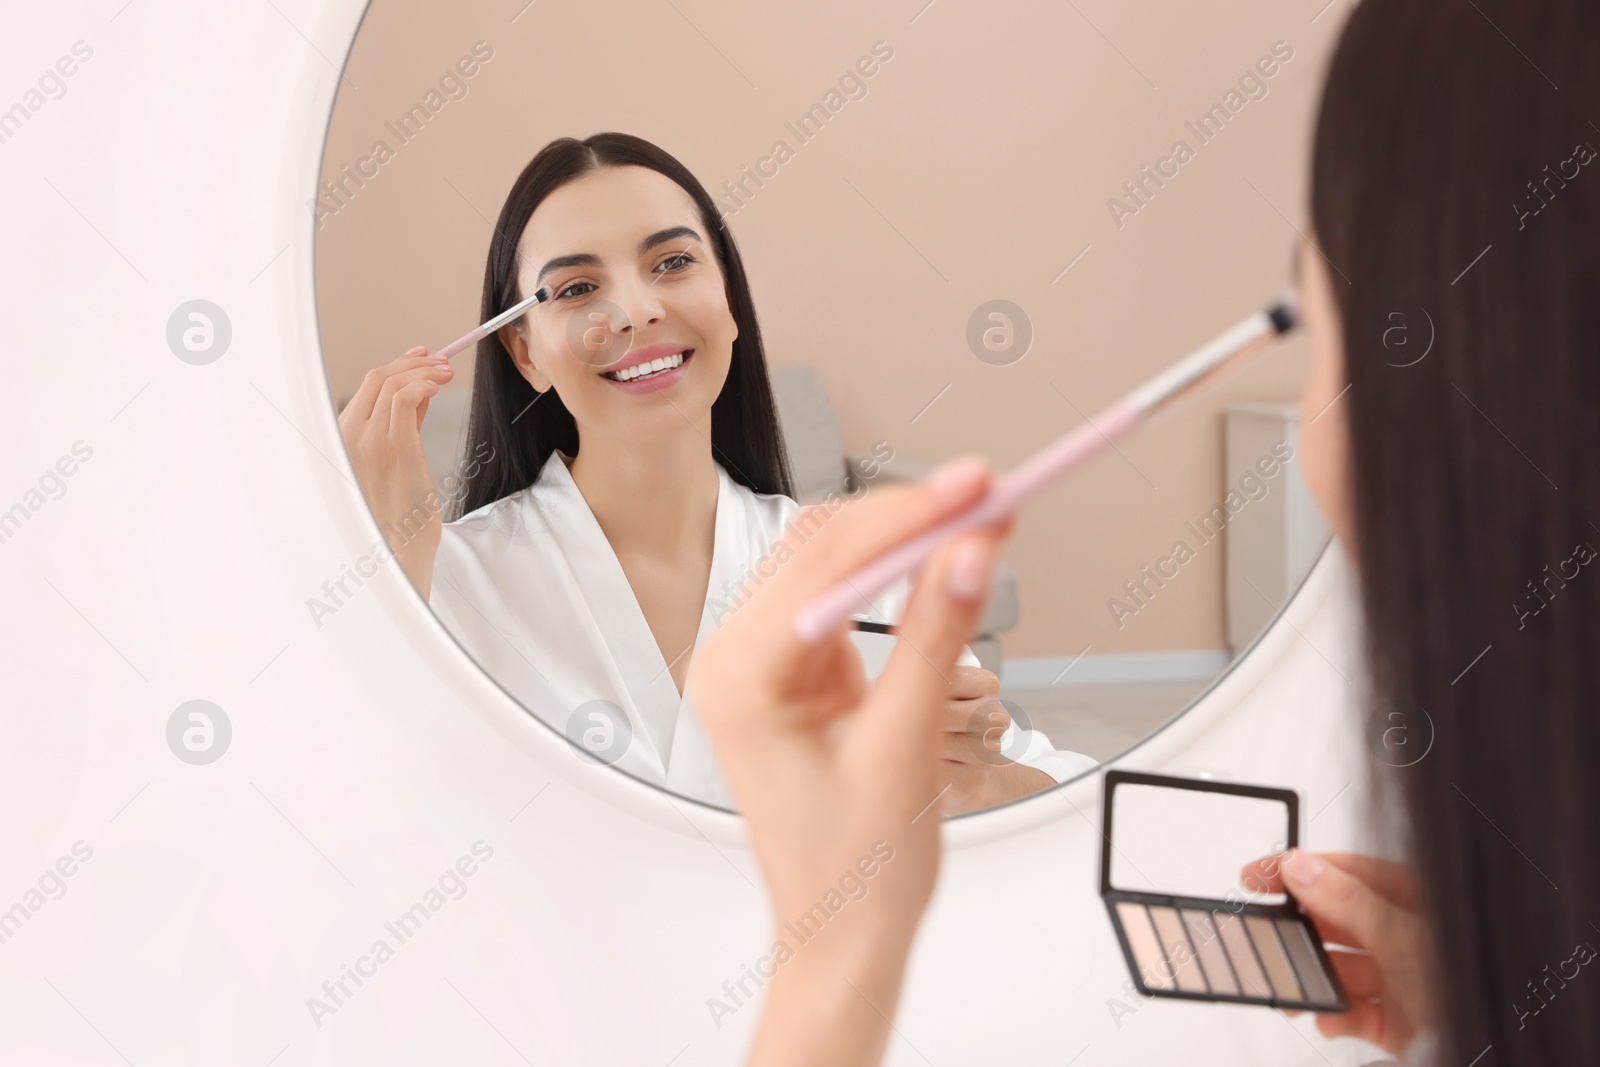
(1172, 850)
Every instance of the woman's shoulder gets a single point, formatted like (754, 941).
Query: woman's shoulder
(765, 514)
(774, 505)
(517, 518)
(512, 512)
(487, 513)
(492, 515)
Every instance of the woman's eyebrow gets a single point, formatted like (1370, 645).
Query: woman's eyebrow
(663, 236)
(580, 259)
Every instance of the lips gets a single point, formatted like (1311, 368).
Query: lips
(645, 372)
(650, 369)
(648, 354)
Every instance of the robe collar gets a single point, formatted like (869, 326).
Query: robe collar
(667, 738)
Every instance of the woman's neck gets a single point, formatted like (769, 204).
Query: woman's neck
(658, 497)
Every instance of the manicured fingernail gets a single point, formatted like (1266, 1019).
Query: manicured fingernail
(437, 356)
(969, 572)
(1303, 868)
(957, 476)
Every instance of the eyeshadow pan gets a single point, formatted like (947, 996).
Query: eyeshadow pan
(1297, 941)
(1185, 964)
(1251, 977)
(1279, 971)
(1146, 949)
(1213, 959)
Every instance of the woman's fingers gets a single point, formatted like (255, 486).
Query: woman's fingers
(1359, 973)
(380, 426)
(967, 683)
(1394, 882)
(407, 407)
(1343, 904)
(386, 415)
(970, 730)
(1365, 1020)
(1267, 876)
(1262, 875)
(365, 399)
(819, 550)
(973, 714)
(826, 548)
(1369, 904)
(944, 607)
(980, 748)
(1363, 986)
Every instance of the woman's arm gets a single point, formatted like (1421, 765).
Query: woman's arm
(834, 1010)
(382, 430)
(838, 780)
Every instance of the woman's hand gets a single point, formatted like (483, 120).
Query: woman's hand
(829, 772)
(1370, 905)
(382, 427)
(970, 763)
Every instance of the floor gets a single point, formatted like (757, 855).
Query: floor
(1103, 720)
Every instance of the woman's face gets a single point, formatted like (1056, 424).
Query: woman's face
(631, 276)
(1324, 426)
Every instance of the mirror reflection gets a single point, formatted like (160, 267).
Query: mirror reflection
(764, 299)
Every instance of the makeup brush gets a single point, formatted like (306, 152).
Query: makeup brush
(511, 314)
(826, 612)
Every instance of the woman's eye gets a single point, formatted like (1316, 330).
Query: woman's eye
(675, 263)
(575, 289)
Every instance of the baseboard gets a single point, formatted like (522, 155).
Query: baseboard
(1114, 669)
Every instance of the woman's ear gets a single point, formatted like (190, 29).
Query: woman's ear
(515, 343)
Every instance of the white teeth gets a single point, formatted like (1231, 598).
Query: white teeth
(644, 370)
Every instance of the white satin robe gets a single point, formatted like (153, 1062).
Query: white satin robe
(532, 590)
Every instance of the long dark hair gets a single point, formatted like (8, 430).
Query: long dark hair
(1451, 185)
(518, 434)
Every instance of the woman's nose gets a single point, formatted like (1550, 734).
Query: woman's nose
(640, 306)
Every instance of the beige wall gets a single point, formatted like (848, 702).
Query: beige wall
(978, 165)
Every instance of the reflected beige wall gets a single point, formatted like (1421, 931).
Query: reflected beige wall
(977, 165)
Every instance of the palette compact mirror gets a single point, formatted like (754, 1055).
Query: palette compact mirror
(1172, 854)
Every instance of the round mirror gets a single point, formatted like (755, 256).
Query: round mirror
(793, 255)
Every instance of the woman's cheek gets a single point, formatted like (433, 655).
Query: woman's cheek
(707, 311)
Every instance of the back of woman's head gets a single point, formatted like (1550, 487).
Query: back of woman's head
(513, 429)
(1456, 193)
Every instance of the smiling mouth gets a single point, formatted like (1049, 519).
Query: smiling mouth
(643, 372)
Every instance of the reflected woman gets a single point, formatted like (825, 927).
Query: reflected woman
(628, 476)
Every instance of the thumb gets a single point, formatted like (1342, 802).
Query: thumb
(941, 614)
(1336, 899)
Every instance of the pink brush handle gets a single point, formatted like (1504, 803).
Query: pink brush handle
(824, 614)
(477, 334)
